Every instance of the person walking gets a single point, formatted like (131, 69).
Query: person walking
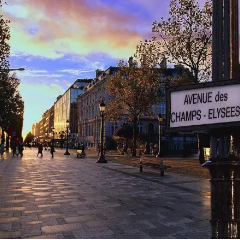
(52, 149)
(14, 148)
(40, 149)
(83, 149)
(1, 150)
(20, 149)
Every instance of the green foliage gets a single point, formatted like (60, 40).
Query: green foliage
(126, 131)
(11, 103)
(29, 138)
(4, 46)
(184, 38)
(134, 92)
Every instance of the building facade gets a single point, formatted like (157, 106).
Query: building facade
(65, 108)
(89, 120)
(89, 116)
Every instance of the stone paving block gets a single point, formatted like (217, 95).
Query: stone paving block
(198, 235)
(28, 232)
(6, 220)
(115, 229)
(61, 221)
(127, 235)
(86, 198)
(6, 226)
(142, 224)
(162, 231)
(93, 233)
(9, 234)
(85, 218)
(48, 236)
(68, 235)
(11, 209)
(63, 228)
(17, 226)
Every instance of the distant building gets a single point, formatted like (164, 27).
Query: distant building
(65, 108)
(88, 109)
(89, 116)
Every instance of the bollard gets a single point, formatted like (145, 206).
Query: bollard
(140, 161)
(161, 168)
(141, 168)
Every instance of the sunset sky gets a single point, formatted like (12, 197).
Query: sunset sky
(58, 41)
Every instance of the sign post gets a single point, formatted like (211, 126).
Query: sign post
(215, 107)
(204, 106)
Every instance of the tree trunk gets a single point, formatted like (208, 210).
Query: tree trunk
(135, 120)
(195, 75)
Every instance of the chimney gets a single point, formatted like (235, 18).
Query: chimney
(163, 63)
(130, 61)
(98, 72)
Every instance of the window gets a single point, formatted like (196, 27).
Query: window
(114, 127)
(140, 128)
(162, 108)
(150, 129)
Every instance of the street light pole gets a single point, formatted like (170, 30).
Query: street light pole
(160, 119)
(46, 137)
(53, 134)
(102, 107)
(67, 152)
(11, 69)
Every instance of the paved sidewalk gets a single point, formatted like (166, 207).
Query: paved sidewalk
(67, 197)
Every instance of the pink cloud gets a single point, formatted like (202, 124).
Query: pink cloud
(72, 27)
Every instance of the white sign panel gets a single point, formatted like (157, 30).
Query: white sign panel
(201, 106)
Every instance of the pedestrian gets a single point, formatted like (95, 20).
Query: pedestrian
(1, 149)
(52, 149)
(20, 149)
(83, 149)
(14, 148)
(40, 149)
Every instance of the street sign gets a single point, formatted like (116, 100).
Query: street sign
(203, 106)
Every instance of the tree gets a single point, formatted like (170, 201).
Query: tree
(186, 37)
(4, 46)
(29, 138)
(133, 91)
(11, 103)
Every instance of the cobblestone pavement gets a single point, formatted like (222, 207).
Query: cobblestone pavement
(67, 197)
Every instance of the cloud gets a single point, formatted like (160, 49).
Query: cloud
(40, 73)
(70, 27)
(72, 71)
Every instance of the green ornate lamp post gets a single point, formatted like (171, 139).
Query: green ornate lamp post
(160, 119)
(67, 125)
(102, 107)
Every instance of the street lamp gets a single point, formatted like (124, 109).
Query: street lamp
(11, 69)
(160, 119)
(53, 134)
(102, 107)
(67, 152)
(46, 136)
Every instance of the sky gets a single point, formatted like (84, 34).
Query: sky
(59, 41)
